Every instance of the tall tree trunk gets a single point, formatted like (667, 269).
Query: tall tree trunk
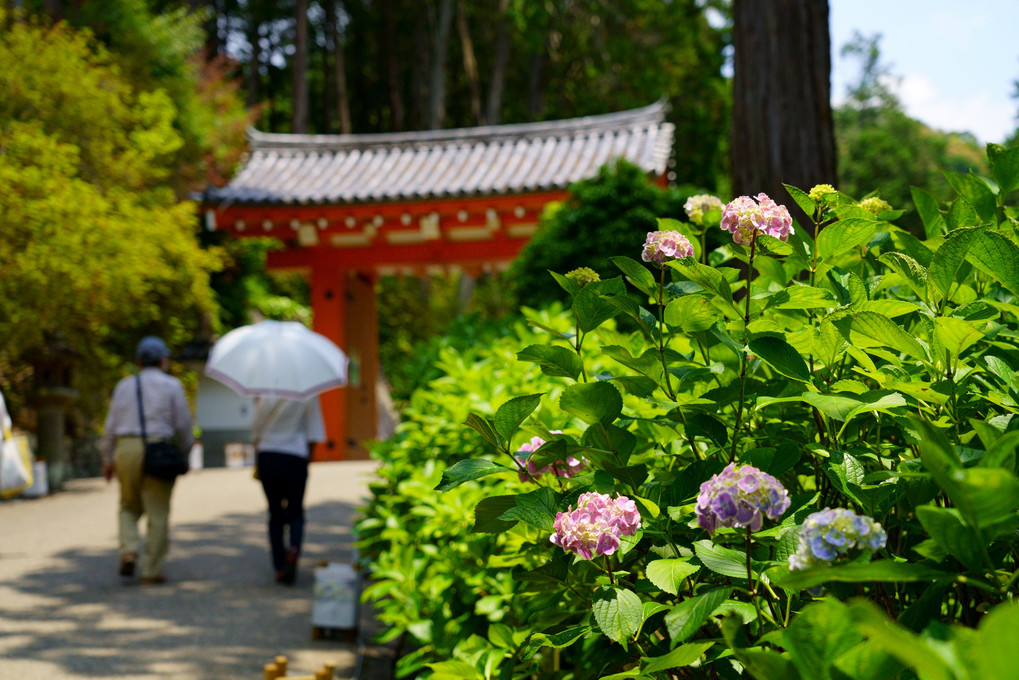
(213, 42)
(53, 9)
(392, 68)
(339, 75)
(254, 74)
(535, 99)
(437, 81)
(470, 62)
(328, 84)
(782, 119)
(300, 112)
(500, 59)
(419, 75)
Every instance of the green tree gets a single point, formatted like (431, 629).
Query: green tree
(164, 50)
(879, 145)
(416, 64)
(608, 214)
(97, 250)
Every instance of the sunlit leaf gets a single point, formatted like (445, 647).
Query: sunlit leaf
(618, 612)
(688, 616)
(670, 574)
(466, 470)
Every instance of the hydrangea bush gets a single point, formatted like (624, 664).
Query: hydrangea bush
(799, 457)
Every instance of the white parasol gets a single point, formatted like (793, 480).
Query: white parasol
(277, 359)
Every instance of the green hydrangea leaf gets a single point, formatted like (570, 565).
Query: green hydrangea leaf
(684, 655)
(511, 414)
(669, 574)
(687, 617)
(466, 470)
(597, 402)
(618, 612)
(781, 356)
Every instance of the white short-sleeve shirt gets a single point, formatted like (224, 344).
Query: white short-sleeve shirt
(287, 426)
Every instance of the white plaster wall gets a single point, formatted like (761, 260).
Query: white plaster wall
(220, 408)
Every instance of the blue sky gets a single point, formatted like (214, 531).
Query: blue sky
(957, 60)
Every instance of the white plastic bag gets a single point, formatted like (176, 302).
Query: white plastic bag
(15, 457)
(15, 465)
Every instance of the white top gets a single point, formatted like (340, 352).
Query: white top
(166, 411)
(286, 425)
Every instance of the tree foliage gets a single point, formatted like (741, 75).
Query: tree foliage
(97, 249)
(163, 50)
(411, 65)
(879, 145)
(604, 215)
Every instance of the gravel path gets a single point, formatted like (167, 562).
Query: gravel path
(65, 613)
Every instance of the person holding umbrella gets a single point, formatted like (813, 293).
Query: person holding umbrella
(285, 430)
(285, 366)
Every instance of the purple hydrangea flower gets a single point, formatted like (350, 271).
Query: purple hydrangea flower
(740, 497)
(745, 218)
(596, 525)
(665, 245)
(829, 533)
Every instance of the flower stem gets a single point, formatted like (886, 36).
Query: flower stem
(752, 585)
(750, 572)
(661, 332)
(743, 356)
(577, 347)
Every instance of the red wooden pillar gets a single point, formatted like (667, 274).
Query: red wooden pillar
(363, 341)
(329, 306)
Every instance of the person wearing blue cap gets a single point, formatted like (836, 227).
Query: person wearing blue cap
(160, 397)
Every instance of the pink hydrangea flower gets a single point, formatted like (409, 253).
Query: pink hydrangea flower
(665, 245)
(744, 218)
(596, 525)
(570, 467)
(740, 497)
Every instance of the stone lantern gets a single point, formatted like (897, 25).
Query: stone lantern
(52, 397)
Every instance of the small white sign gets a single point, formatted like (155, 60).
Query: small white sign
(337, 590)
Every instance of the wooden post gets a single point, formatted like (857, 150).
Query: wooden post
(363, 338)
(329, 306)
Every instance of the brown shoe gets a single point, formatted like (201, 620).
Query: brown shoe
(290, 568)
(153, 580)
(127, 562)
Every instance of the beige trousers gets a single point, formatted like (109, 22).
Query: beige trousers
(142, 495)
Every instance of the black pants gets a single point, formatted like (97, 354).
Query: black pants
(283, 478)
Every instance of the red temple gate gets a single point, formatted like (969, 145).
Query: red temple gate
(351, 208)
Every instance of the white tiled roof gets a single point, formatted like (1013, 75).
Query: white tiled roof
(499, 159)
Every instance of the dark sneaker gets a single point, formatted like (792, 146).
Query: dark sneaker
(127, 562)
(153, 580)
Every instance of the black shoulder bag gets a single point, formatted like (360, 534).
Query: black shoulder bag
(163, 459)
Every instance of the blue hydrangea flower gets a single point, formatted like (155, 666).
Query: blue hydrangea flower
(832, 532)
(740, 497)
